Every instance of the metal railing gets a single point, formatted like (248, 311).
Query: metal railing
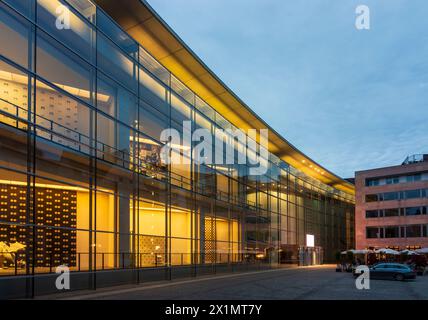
(415, 158)
(17, 263)
(73, 139)
(57, 133)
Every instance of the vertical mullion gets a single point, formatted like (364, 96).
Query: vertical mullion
(31, 154)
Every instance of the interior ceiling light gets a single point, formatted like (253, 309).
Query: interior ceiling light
(22, 79)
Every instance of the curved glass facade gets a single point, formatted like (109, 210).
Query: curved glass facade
(81, 179)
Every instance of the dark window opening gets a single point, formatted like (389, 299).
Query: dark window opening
(413, 211)
(372, 198)
(372, 233)
(372, 213)
(392, 232)
(388, 196)
(413, 231)
(392, 212)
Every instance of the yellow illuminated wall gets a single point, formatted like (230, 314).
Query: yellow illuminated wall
(222, 239)
(105, 221)
(152, 227)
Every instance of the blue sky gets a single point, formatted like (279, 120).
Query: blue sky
(350, 99)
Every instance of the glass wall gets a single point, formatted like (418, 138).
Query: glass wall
(81, 177)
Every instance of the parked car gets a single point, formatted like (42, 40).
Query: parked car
(394, 271)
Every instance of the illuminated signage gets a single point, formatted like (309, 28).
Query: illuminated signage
(310, 240)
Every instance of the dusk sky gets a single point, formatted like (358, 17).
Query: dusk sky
(350, 99)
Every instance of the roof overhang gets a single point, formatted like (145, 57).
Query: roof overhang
(139, 20)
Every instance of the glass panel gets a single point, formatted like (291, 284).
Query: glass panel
(412, 194)
(392, 212)
(155, 68)
(204, 108)
(82, 251)
(25, 7)
(392, 180)
(106, 213)
(180, 251)
(180, 222)
(14, 36)
(151, 219)
(372, 233)
(413, 231)
(13, 95)
(392, 232)
(151, 122)
(106, 137)
(85, 7)
(180, 110)
(116, 64)
(371, 197)
(63, 120)
(63, 68)
(413, 211)
(387, 196)
(74, 32)
(122, 39)
(116, 101)
(106, 257)
(153, 92)
(372, 213)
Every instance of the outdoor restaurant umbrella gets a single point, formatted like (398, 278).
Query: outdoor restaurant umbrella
(387, 251)
(354, 251)
(423, 250)
(363, 251)
(409, 252)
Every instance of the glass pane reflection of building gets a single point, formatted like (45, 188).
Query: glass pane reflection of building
(81, 179)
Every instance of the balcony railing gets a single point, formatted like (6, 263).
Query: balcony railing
(415, 158)
(17, 117)
(16, 263)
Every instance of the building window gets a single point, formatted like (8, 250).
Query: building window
(12, 26)
(116, 64)
(372, 233)
(392, 232)
(414, 177)
(411, 194)
(79, 35)
(392, 212)
(372, 213)
(413, 231)
(392, 180)
(413, 211)
(372, 198)
(372, 182)
(388, 196)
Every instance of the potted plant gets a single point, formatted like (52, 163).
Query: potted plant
(350, 260)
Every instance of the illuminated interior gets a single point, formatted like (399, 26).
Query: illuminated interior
(151, 217)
